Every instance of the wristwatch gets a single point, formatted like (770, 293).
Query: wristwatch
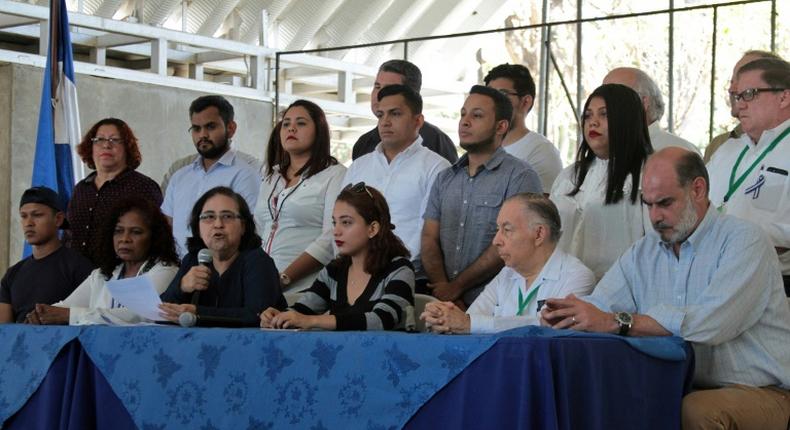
(624, 319)
(285, 280)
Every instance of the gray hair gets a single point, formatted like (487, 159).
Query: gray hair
(647, 87)
(539, 206)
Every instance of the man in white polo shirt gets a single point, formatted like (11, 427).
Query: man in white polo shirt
(516, 83)
(749, 175)
(400, 167)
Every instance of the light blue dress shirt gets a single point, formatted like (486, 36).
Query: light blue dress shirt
(724, 294)
(190, 182)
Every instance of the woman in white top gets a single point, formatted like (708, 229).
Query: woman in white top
(301, 182)
(136, 240)
(528, 228)
(598, 196)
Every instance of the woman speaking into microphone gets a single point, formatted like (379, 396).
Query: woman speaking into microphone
(237, 282)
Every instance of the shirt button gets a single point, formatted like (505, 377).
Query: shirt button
(457, 248)
(455, 273)
(90, 209)
(83, 243)
(462, 224)
(87, 227)
(464, 201)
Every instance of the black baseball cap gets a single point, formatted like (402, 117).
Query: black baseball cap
(42, 195)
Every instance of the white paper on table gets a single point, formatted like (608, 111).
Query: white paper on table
(138, 295)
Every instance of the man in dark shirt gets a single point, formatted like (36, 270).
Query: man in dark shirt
(404, 73)
(53, 271)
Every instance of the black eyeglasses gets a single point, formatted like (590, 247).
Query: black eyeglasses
(509, 93)
(358, 188)
(749, 94)
(111, 140)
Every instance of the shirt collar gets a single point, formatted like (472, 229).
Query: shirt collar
(698, 235)
(92, 176)
(226, 160)
(411, 149)
(769, 135)
(551, 270)
(496, 159)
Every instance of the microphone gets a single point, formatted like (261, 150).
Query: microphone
(188, 319)
(204, 258)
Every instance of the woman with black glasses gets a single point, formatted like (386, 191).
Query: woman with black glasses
(369, 286)
(110, 149)
(294, 209)
(226, 278)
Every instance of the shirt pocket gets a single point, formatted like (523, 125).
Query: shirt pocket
(486, 209)
(769, 192)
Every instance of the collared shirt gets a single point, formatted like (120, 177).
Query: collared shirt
(189, 183)
(92, 303)
(405, 182)
(304, 218)
(89, 206)
(764, 197)
(433, 138)
(467, 206)
(594, 232)
(496, 308)
(724, 294)
(719, 140)
(661, 139)
(539, 153)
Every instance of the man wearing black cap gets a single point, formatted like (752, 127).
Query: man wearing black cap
(53, 271)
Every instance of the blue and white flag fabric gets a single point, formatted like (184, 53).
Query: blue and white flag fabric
(58, 122)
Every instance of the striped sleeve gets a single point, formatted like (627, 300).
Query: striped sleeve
(395, 294)
(316, 299)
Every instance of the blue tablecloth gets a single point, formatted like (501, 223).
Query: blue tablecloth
(169, 377)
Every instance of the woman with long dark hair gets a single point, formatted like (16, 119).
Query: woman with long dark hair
(598, 195)
(239, 281)
(369, 286)
(135, 240)
(294, 209)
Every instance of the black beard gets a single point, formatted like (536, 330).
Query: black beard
(479, 146)
(215, 151)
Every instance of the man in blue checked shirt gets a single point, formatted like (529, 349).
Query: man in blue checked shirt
(710, 278)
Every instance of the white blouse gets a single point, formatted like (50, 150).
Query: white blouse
(595, 233)
(298, 219)
(92, 303)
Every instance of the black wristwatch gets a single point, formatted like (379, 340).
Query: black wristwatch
(624, 319)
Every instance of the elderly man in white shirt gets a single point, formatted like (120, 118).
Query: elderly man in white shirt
(400, 167)
(653, 102)
(528, 228)
(749, 174)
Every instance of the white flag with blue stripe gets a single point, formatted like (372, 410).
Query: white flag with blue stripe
(59, 134)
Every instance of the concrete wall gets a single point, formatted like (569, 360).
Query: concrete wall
(157, 115)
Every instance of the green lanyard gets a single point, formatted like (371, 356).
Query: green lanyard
(734, 185)
(522, 303)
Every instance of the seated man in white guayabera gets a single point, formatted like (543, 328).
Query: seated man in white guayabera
(528, 228)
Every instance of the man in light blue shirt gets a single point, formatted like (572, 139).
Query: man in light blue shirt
(709, 278)
(218, 165)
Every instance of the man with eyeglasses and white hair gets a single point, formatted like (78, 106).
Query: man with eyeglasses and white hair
(653, 102)
(212, 127)
(749, 175)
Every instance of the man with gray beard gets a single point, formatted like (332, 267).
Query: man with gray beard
(709, 278)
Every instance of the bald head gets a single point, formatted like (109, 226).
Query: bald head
(675, 191)
(644, 85)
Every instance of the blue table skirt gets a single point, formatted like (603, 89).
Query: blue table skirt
(530, 378)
